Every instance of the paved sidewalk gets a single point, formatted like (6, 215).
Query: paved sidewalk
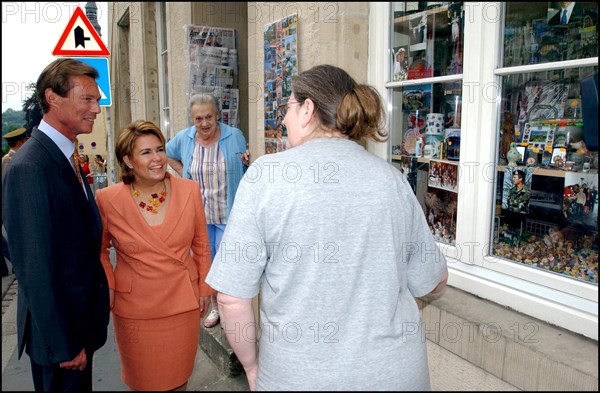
(448, 371)
(16, 374)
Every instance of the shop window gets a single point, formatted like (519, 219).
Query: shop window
(534, 32)
(163, 67)
(427, 42)
(427, 39)
(546, 212)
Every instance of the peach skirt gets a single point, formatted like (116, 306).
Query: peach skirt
(157, 354)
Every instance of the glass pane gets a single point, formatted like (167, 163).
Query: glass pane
(426, 40)
(534, 32)
(425, 139)
(163, 23)
(166, 121)
(546, 212)
(165, 67)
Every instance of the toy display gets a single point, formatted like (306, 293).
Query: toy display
(567, 252)
(568, 243)
(440, 210)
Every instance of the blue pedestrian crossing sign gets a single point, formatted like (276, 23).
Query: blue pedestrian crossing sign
(101, 65)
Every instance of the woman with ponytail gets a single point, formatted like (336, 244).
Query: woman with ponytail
(336, 243)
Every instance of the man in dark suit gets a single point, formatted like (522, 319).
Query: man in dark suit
(569, 12)
(54, 234)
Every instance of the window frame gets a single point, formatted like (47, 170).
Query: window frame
(563, 301)
(163, 78)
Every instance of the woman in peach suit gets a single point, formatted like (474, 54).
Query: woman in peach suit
(158, 295)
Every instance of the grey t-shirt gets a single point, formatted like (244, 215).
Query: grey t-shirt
(338, 245)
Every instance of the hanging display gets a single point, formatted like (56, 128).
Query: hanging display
(213, 67)
(280, 64)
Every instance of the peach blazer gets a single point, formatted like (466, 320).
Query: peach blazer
(161, 271)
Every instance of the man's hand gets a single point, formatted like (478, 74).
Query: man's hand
(78, 363)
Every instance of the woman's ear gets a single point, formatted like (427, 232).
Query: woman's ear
(127, 162)
(307, 112)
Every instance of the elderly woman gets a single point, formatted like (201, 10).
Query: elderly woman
(215, 156)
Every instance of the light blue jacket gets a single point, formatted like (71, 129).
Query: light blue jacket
(232, 144)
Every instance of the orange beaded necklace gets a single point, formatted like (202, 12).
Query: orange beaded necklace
(155, 200)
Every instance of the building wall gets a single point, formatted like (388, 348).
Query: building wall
(334, 33)
(97, 137)
(139, 90)
(230, 15)
(328, 33)
(178, 15)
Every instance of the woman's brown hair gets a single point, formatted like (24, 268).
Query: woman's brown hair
(126, 141)
(342, 104)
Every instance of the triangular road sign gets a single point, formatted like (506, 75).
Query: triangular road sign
(80, 38)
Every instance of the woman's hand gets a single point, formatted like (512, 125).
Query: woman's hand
(246, 156)
(204, 303)
(251, 373)
(111, 297)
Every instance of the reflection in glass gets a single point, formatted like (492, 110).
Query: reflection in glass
(533, 32)
(552, 222)
(426, 149)
(426, 41)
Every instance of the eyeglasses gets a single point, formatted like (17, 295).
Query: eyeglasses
(200, 119)
(283, 110)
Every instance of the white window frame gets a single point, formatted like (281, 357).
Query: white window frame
(163, 82)
(562, 301)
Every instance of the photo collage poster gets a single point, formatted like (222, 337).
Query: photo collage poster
(281, 64)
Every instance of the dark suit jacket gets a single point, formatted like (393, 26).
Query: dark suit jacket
(576, 16)
(54, 235)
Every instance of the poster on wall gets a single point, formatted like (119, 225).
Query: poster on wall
(280, 64)
(212, 56)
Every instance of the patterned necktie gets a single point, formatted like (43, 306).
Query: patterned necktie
(563, 18)
(76, 165)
